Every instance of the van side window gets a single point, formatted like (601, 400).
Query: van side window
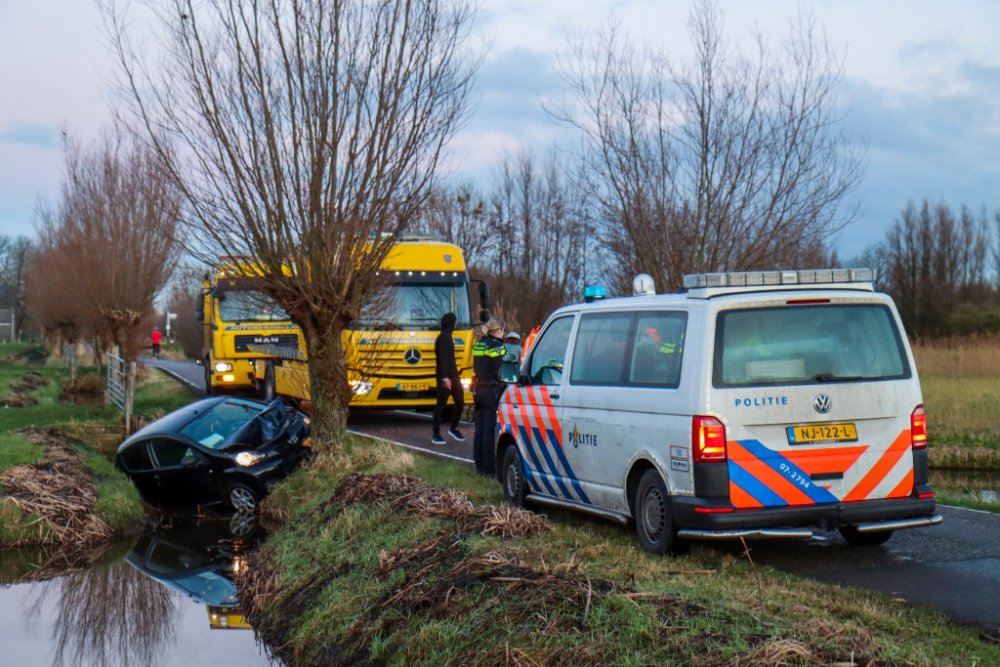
(657, 350)
(548, 354)
(599, 353)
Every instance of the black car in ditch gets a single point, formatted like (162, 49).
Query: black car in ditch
(220, 448)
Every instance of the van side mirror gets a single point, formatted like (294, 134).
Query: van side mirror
(509, 373)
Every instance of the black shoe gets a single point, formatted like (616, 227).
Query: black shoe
(456, 434)
(438, 440)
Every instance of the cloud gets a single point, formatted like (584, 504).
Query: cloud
(41, 136)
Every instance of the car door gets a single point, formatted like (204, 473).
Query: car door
(179, 482)
(531, 411)
(595, 417)
(135, 459)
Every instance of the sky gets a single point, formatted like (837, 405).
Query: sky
(921, 90)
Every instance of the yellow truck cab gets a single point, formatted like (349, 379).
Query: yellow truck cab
(237, 316)
(390, 353)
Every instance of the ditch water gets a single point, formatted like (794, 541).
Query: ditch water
(979, 485)
(164, 599)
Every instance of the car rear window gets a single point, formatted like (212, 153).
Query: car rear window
(808, 345)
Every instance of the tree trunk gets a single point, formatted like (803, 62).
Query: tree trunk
(328, 390)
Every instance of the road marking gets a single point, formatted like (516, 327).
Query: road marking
(969, 509)
(413, 447)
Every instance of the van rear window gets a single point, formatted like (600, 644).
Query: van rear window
(785, 345)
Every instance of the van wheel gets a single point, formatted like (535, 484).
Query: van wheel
(653, 514)
(270, 384)
(515, 484)
(856, 539)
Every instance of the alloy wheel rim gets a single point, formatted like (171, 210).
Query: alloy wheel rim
(653, 514)
(242, 500)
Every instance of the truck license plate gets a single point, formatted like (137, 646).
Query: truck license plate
(805, 435)
(411, 386)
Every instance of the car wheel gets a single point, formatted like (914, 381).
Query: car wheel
(270, 385)
(208, 376)
(856, 539)
(653, 514)
(515, 484)
(242, 498)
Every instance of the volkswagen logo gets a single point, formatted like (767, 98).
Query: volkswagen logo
(412, 356)
(822, 403)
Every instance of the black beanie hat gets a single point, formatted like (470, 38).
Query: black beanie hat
(448, 321)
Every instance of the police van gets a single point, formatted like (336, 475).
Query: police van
(756, 404)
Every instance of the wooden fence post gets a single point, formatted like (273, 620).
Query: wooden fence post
(129, 397)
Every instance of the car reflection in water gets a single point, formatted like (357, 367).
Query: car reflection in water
(220, 448)
(198, 559)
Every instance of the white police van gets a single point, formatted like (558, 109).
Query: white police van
(759, 404)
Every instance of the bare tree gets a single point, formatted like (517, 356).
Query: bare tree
(731, 162)
(305, 135)
(14, 255)
(110, 242)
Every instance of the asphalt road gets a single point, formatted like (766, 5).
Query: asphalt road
(953, 567)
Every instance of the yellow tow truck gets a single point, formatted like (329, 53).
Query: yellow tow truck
(237, 316)
(390, 353)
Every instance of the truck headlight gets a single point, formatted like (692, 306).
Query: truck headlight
(361, 387)
(466, 384)
(248, 458)
(223, 367)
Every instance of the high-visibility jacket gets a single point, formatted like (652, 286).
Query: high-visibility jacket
(487, 357)
(530, 340)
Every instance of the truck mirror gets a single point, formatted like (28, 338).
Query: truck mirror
(484, 301)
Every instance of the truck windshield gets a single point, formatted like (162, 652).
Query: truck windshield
(808, 345)
(418, 306)
(249, 307)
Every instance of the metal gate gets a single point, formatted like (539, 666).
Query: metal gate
(117, 381)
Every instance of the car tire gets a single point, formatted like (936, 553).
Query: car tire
(514, 480)
(856, 539)
(208, 376)
(654, 522)
(270, 384)
(242, 498)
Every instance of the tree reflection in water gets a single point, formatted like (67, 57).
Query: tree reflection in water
(109, 617)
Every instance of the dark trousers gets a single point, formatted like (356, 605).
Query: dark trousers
(484, 442)
(457, 394)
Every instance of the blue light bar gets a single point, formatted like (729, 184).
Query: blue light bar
(593, 293)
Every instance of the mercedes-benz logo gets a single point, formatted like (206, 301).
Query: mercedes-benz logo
(412, 356)
(822, 403)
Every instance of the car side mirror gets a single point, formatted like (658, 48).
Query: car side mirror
(192, 459)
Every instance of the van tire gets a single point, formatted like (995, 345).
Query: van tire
(515, 483)
(654, 521)
(856, 539)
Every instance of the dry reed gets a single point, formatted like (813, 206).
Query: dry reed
(57, 492)
(977, 355)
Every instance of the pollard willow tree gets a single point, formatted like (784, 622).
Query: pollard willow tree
(305, 135)
(735, 161)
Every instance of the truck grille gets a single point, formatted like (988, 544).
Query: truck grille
(396, 362)
(281, 340)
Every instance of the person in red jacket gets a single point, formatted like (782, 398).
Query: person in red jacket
(157, 337)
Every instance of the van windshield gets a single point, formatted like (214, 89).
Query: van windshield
(808, 345)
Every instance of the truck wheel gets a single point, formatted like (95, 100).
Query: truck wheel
(270, 384)
(856, 539)
(208, 376)
(654, 521)
(515, 484)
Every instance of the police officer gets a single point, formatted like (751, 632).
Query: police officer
(487, 357)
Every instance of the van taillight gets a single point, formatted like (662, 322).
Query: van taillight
(708, 440)
(918, 428)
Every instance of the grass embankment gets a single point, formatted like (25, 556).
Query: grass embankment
(373, 571)
(57, 481)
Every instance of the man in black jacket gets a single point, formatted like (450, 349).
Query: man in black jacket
(449, 383)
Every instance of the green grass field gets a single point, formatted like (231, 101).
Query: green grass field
(582, 593)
